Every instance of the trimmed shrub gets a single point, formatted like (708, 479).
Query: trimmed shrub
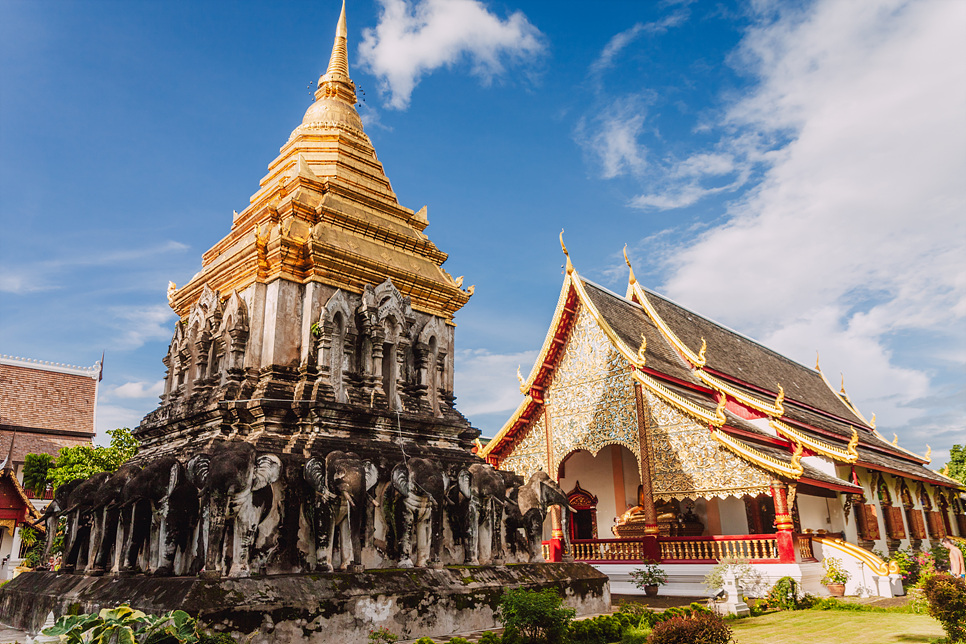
(425, 640)
(635, 635)
(458, 640)
(701, 628)
(783, 595)
(586, 631)
(947, 603)
(534, 617)
(489, 637)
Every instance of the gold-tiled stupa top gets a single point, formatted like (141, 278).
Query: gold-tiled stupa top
(326, 212)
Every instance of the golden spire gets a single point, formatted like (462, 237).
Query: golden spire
(570, 266)
(335, 82)
(631, 280)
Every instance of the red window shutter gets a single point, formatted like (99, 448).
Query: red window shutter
(894, 526)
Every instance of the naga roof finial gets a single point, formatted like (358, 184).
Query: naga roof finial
(842, 388)
(817, 367)
(570, 266)
(872, 422)
(704, 347)
(642, 349)
(779, 399)
(631, 280)
(853, 443)
(928, 454)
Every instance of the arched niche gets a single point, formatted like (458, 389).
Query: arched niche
(583, 523)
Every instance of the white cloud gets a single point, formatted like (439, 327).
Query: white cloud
(47, 275)
(487, 382)
(414, 39)
(856, 230)
(140, 324)
(612, 137)
(617, 44)
(133, 390)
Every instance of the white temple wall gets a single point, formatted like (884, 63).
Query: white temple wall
(815, 512)
(734, 520)
(596, 474)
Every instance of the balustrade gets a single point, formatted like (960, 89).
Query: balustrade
(755, 547)
(805, 547)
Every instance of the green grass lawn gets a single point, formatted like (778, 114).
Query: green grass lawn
(836, 627)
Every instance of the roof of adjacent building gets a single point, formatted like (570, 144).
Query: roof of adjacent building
(54, 400)
(662, 338)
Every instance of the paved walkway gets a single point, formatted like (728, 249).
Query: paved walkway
(10, 635)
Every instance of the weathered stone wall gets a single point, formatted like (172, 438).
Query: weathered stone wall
(318, 608)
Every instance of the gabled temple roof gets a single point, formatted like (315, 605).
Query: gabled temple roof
(704, 368)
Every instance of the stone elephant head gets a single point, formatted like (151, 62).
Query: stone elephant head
(421, 485)
(51, 517)
(241, 505)
(160, 513)
(485, 489)
(533, 499)
(341, 483)
(81, 507)
(106, 517)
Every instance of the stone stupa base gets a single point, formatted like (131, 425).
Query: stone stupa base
(318, 608)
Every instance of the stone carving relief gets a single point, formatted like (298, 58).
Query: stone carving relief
(591, 398)
(687, 463)
(208, 348)
(235, 511)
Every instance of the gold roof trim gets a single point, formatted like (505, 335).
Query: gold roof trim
(845, 400)
(749, 453)
(715, 418)
(877, 566)
(696, 359)
(635, 357)
(769, 408)
(506, 428)
(848, 455)
(551, 334)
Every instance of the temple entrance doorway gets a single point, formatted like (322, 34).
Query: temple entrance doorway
(603, 486)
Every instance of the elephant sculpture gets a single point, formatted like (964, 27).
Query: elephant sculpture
(160, 509)
(106, 517)
(421, 484)
(51, 517)
(533, 500)
(241, 506)
(485, 489)
(341, 483)
(81, 508)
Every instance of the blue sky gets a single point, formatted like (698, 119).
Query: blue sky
(793, 170)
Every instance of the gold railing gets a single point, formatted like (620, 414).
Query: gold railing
(805, 546)
(608, 550)
(717, 548)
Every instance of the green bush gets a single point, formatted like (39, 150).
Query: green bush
(699, 628)
(457, 640)
(534, 617)
(635, 635)
(489, 638)
(124, 625)
(217, 638)
(585, 631)
(425, 640)
(783, 595)
(947, 603)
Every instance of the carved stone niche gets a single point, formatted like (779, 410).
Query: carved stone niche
(334, 347)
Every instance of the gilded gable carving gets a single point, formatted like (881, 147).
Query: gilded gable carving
(591, 398)
(530, 454)
(687, 463)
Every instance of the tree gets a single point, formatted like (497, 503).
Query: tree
(36, 468)
(956, 467)
(84, 460)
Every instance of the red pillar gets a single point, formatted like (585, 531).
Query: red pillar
(651, 548)
(784, 523)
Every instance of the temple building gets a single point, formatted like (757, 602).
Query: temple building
(44, 406)
(325, 311)
(681, 441)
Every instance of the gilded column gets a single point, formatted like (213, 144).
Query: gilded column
(646, 500)
(783, 522)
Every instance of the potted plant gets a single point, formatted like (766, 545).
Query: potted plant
(835, 576)
(649, 578)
